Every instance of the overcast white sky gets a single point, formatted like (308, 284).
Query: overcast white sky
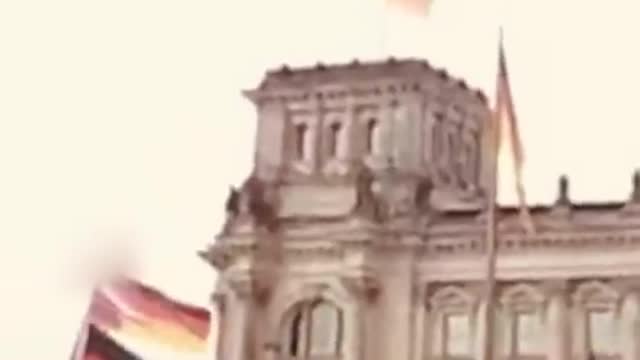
(122, 123)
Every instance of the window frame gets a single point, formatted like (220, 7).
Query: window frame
(598, 296)
(304, 349)
(517, 300)
(449, 301)
(336, 129)
(371, 138)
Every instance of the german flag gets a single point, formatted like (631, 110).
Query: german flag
(504, 115)
(127, 309)
(99, 346)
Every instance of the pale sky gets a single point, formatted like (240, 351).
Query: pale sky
(122, 124)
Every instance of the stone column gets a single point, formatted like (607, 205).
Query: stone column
(558, 321)
(363, 290)
(579, 343)
(270, 140)
(319, 148)
(248, 340)
(235, 337)
(387, 130)
(353, 131)
(479, 331)
(630, 327)
(417, 337)
(408, 133)
(221, 325)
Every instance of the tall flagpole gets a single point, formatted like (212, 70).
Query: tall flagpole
(491, 232)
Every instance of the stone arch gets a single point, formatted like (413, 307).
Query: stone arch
(522, 293)
(452, 323)
(596, 312)
(523, 317)
(300, 323)
(596, 293)
(452, 296)
(306, 293)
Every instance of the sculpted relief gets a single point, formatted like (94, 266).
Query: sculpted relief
(381, 198)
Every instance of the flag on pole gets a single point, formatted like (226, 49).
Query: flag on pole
(504, 114)
(125, 309)
(414, 7)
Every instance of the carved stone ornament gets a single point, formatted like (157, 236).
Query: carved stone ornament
(364, 287)
(249, 289)
(366, 203)
(257, 200)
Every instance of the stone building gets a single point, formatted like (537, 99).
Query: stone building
(360, 233)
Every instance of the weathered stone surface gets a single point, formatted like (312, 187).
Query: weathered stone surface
(386, 222)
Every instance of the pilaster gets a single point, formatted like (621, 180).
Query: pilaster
(364, 288)
(558, 322)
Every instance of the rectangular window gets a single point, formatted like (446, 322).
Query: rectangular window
(300, 141)
(334, 139)
(528, 334)
(602, 332)
(457, 335)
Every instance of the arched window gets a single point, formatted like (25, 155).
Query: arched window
(372, 134)
(300, 141)
(334, 139)
(315, 331)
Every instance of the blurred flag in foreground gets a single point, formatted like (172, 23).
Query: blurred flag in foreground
(99, 346)
(125, 309)
(414, 7)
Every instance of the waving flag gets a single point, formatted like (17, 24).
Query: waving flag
(129, 310)
(99, 346)
(504, 114)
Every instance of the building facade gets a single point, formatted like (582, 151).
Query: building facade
(360, 233)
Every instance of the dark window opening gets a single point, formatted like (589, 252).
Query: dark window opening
(334, 139)
(296, 328)
(315, 331)
(300, 134)
(372, 125)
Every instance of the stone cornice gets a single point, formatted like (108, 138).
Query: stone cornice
(334, 247)
(328, 80)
